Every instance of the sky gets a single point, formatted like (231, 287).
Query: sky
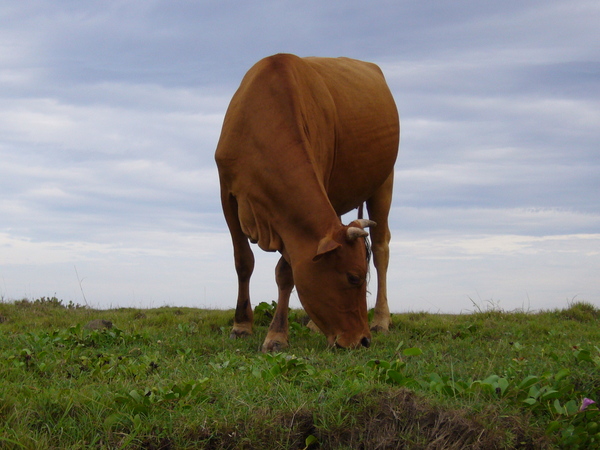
(110, 112)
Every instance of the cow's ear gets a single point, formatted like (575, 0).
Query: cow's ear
(326, 245)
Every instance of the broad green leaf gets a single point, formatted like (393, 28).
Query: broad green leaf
(310, 439)
(583, 355)
(553, 427)
(447, 390)
(413, 351)
(562, 373)
(571, 407)
(557, 407)
(492, 379)
(112, 420)
(550, 394)
(528, 382)
(534, 391)
(136, 396)
(394, 376)
(435, 378)
(503, 384)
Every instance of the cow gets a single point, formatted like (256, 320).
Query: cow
(304, 141)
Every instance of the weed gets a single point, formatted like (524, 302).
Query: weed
(264, 312)
(580, 312)
(171, 377)
(142, 403)
(288, 367)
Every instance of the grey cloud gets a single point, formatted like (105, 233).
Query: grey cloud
(110, 112)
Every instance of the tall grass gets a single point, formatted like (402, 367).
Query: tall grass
(171, 378)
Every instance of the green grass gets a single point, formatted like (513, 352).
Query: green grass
(171, 378)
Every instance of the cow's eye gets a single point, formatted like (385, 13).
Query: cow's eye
(354, 280)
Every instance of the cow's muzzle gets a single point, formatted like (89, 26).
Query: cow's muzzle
(365, 342)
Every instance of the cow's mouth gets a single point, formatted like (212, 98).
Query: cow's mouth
(365, 342)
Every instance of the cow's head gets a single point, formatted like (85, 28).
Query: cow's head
(332, 286)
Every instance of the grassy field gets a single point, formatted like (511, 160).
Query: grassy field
(170, 378)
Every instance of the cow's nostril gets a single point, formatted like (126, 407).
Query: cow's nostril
(365, 342)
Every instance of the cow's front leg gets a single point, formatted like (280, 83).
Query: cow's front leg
(277, 337)
(244, 316)
(244, 266)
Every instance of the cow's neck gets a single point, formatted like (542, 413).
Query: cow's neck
(301, 241)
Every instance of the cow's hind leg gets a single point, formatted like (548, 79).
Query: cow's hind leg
(244, 266)
(379, 207)
(277, 337)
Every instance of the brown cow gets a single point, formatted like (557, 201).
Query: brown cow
(304, 141)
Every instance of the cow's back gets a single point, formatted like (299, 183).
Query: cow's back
(367, 129)
(305, 138)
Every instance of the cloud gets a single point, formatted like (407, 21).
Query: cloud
(422, 220)
(490, 131)
(486, 246)
(110, 113)
(143, 267)
(92, 161)
(141, 125)
(462, 273)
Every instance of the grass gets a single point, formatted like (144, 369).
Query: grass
(171, 378)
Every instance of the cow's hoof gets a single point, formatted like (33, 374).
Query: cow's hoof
(375, 328)
(274, 346)
(239, 333)
(313, 327)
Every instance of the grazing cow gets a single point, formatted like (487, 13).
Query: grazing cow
(305, 140)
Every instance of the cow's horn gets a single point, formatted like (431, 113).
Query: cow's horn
(364, 223)
(354, 233)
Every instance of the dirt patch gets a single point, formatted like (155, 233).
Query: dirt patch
(266, 431)
(157, 444)
(401, 419)
(396, 419)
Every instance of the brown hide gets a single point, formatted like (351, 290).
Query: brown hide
(305, 140)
